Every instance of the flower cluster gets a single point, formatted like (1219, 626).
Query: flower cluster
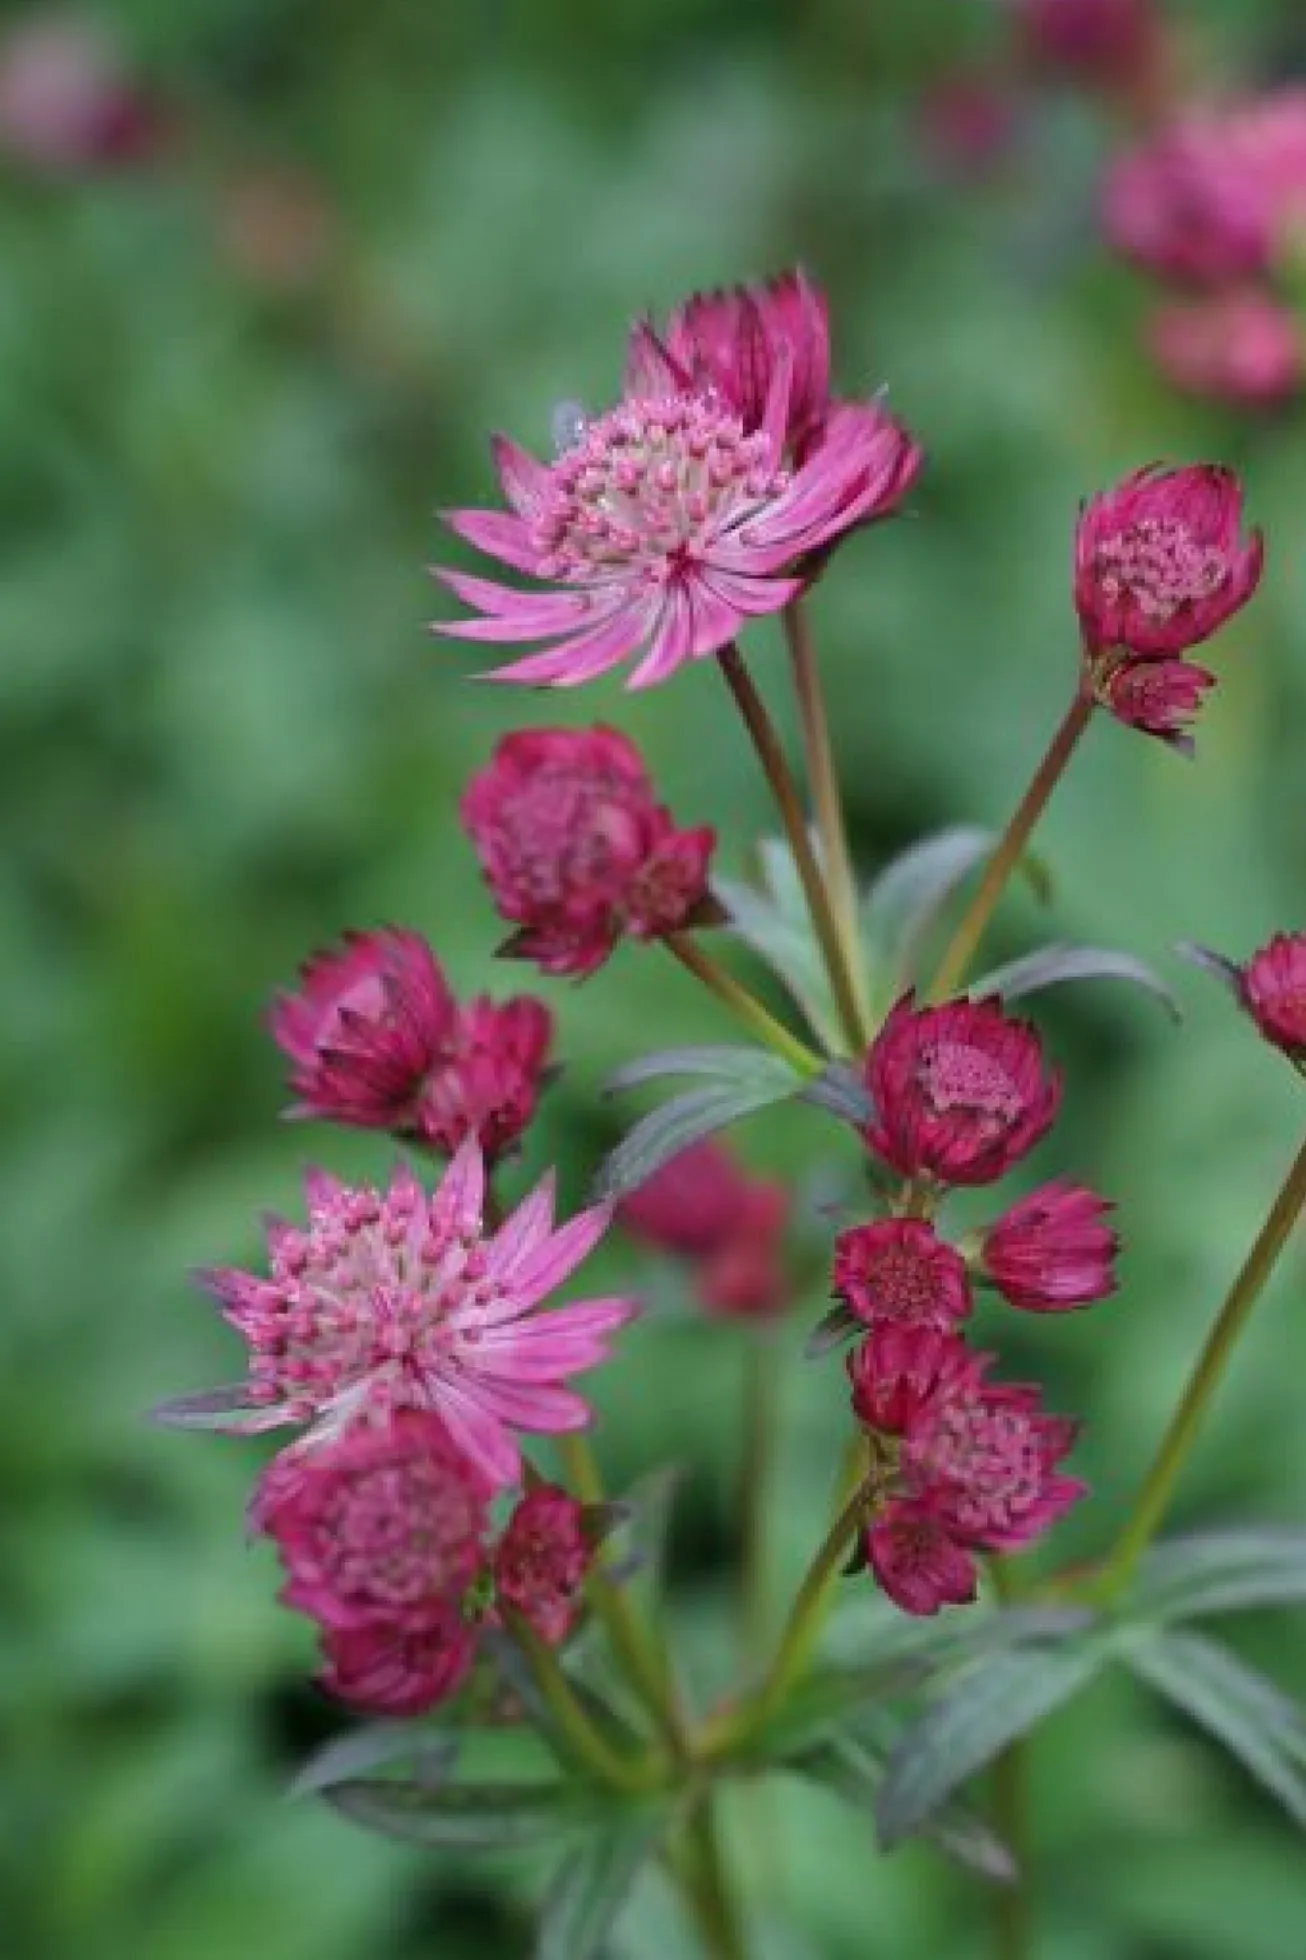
(727, 1227)
(1212, 204)
(959, 1464)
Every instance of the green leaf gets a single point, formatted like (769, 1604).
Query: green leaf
(1226, 971)
(429, 1752)
(592, 1885)
(718, 1062)
(211, 1408)
(472, 1816)
(1051, 966)
(840, 1090)
(910, 895)
(985, 1708)
(786, 943)
(1256, 1723)
(1222, 1571)
(666, 1131)
(853, 1767)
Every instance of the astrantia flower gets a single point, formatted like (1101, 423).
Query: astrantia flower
(541, 1561)
(900, 1270)
(392, 1300)
(917, 1562)
(666, 524)
(733, 341)
(1160, 562)
(897, 1371)
(960, 1092)
(1273, 986)
(383, 1522)
(1053, 1249)
(1241, 347)
(577, 850)
(378, 1040)
(1185, 205)
(1159, 697)
(399, 1667)
(728, 1226)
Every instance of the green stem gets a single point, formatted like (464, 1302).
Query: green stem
(761, 1357)
(965, 941)
(742, 1004)
(771, 755)
(1158, 1489)
(644, 1663)
(827, 803)
(582, 1739)
(808, 1614)
(709, 1891)
(1011, 1903)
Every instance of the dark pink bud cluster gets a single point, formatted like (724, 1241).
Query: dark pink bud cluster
(963, 1464)
(377, 1039)
(384, 1534)
(1108, 43)
(577, 850)
(1160, 564)
(728, 1227)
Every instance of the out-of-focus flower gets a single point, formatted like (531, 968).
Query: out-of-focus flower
(1273, 984)
(960, 1092)
(399, 1667)
(666, 524)
(900, 1270)
(277, 227)
(1112, 43)
(382, 1523)
(1052, 1250)
(1241, 346)
(734, 341)
(728, 1226)
(578, 851)
(378, 1040)
(392, 1300)
(1160, 561)
(1160, 697)
(69, 103)
(541, 1561)
(968, 122)
(1184, 206)
(919, 1565)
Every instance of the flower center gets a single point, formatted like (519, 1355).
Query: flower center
(569, 836)
(991, 1455)
(902, 1285)
(1160, 565)
(955, 1076)
(648, 484)
(399, 1533)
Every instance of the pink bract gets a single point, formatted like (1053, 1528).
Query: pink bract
(1053, 1250)
(399, 1667)
(1160, 561)
(900, 1270)
(1184, 205)
(541, 1561)
(666, 525)
(1158, 697)
(381, 1523)
(576, 849)
(734, 341)
(959, 1090)
(1274, 992)
(1241, 347)
(378, 1040)
(897, 1371)
(918, 1564)
(391, 1300)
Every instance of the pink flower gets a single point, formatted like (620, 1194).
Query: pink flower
(704, 1208)
(666, 524)
(68, 101)
(1273, 985)
(1160, 562)
(733, 342)
(1053, 1250)
(378, 1040)
(969, 122)
(900, 1270)
(898, 1370)
(1185, 205)
(1108, 41)
(918, 1564)
(1241, 347)
(541, 1561)
(383, 1522)
(576, 849)
(392, 1300)
(959, 1091)
(399, 1667)
(1160, 697)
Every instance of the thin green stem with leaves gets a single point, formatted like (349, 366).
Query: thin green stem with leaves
(808, 1614)
(971, 927)
(1158, 1489)
(745, 1006)
(580, 1736)
(771, 755)
(761, 1384)
(709, 1891)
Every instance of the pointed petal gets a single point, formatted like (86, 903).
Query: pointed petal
(478, 1434)
(524, 478)
(560, 1255)
(585, 656)
(459, 1202)
(532, 1406)
(523, 1230)
(495, 533)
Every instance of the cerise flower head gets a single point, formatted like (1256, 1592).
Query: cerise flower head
(960, 1091)
(541, 1561)
(1241, 346)
(577, 850)
(1273, 987)
(666, 524)
(377, 1039)
(1160, 561)
(1052, 1250)
(917, 1562)
(1185, 205)
(391, 1300)
(399, 1667)
(1158, 697)
(899, 1270)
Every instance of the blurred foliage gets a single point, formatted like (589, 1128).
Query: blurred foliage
(236, 381)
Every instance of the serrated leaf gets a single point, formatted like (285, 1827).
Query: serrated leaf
(685, 1119)
(1222, 1571)
(1255, 1722)
(788, 947)
(853, 1768)
(592, 1885)
(987, 1707)
(721, 1062)
(472, 1816)
(377, 1745)
(910, 895)
(1053, 965)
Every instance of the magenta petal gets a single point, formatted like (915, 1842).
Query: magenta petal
(560, 1255)
(534, 1405)
(582, 658)
(523, 1230)
(497, 534)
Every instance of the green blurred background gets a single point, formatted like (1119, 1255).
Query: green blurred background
(237, 380)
